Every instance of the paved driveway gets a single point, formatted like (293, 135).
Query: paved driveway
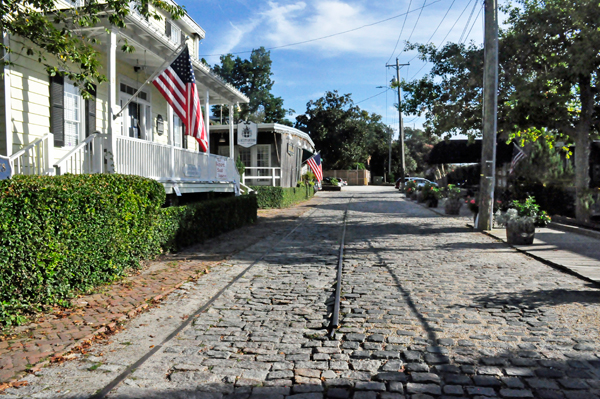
(430, 308)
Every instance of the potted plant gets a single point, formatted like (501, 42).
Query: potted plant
(410, 189)
(431, 195)
(473, 207)
(454, 200)
(521, 220)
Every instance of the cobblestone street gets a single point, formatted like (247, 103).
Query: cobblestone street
(430, 309)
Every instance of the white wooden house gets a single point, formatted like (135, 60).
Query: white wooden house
(46, 127)
(272, 158)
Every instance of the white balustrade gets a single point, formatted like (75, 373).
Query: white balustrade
(262, 175)
(86, 157)
(35, 158)
(145, 158)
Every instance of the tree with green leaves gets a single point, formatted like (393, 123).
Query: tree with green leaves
(253, 78)
(555, 76)
(343, 132)
(548, 82)
(57, 36)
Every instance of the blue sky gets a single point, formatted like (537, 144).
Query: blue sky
(350, 63)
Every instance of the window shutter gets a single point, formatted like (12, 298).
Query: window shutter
(168, 29)
(90, 113)
(182, 37)
(57, 109)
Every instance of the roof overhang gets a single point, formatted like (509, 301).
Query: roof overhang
(273, 127)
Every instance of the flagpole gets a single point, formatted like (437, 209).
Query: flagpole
(151, 78)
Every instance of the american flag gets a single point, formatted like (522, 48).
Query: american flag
(518, 154)
(177, 84)
(315, 165)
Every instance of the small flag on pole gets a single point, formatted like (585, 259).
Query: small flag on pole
(177, 84)
(315, 165)
(518, 154)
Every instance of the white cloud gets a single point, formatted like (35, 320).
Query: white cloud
(279, 23)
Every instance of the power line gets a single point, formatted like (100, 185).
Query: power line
(378, 94)
(438, 27)
(468, 22)
(414, 27)
(474, 22)
(401, 30)
(445, 37)
(328, 36)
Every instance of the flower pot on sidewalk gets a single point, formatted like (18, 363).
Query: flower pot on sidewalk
(520, 233)
(452, 207)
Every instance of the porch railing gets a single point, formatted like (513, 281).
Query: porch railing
(142, 158)
(35, 158)
(86, 157)
(165, 163)
(270, 176)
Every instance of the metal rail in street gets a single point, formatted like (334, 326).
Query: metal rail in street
(101, 394)
(335, 320)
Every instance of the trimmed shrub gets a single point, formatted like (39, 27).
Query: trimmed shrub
(186, 225)
(281, 197)
(62, 234)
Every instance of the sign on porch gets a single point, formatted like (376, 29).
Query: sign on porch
(5, 169)
(247, 133)
(221, 165)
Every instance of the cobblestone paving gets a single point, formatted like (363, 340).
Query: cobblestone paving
(57, 330)
(430, 309)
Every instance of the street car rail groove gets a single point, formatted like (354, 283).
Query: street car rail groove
(114, 383)
(335, 320)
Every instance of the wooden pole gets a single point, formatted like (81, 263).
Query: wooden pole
(490, 111)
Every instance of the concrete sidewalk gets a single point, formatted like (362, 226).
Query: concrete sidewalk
(572, 252)
(571, 249)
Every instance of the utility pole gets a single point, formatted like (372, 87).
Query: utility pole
(400, 121)
(390, 151)
(487, 180)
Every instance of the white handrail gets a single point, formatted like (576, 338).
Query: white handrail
(248, 189)
(76, 160)
(34, 158)
(27, 148)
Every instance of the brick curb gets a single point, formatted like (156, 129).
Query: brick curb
(111, 326)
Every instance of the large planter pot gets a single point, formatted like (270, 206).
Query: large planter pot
(432, 202)
(452, 207)
(520, 234)
(413, 196)
(420, 197)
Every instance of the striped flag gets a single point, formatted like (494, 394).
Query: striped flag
(518, 154)
(177, 84)
(315, 165)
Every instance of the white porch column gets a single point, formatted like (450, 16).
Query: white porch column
(231, 145)
(8, 100)
(207, 119)
(171, 126)
(112, 106)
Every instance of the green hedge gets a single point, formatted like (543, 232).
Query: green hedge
(281, 197)
(63, 234)
(190, 224)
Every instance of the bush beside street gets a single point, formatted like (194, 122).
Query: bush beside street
(63, 234)
(281, 197)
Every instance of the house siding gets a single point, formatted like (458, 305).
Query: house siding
(3, 150)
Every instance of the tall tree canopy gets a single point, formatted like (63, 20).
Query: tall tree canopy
(343, 132)
(60, 32)
(548, 81)
(253, 78)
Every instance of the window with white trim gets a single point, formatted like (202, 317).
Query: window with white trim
(246, 156)
(73, 115)
(177, 131)
(173, 33)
